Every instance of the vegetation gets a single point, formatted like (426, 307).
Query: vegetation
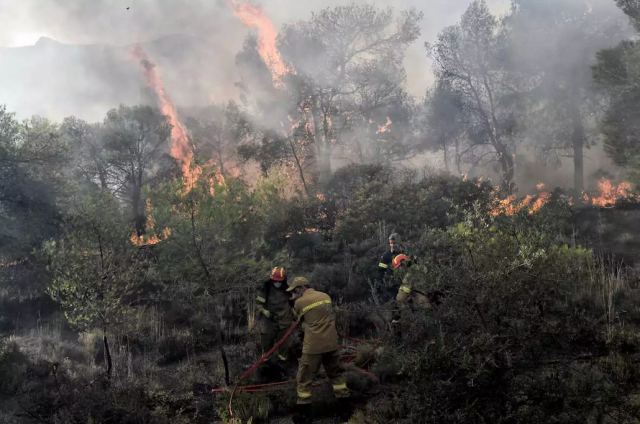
(126, 296)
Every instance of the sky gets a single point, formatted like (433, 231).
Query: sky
(23, 22)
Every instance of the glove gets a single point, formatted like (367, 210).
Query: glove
(266, 313)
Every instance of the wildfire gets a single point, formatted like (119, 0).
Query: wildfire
(386, 127)
(609, 194)
(216, 180)
(149, 239)
(180, 149)
(511, 206)
(145, 240)
(254, 17)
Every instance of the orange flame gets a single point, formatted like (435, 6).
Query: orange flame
(217, 180)
(145, 239)
(386, 127)
(254, 17)
(180, 149)
(609, 194)
(511, 206)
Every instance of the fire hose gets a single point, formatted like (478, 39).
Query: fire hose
(257, 388)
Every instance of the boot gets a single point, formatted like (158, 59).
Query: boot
(344, 409)
(302, 414)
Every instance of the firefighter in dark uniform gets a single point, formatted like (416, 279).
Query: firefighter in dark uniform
(275, 315)
(386, 282)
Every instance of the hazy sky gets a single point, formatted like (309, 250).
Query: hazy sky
(22, 22)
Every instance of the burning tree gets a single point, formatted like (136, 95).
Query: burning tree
(348, 79)
(135, 140)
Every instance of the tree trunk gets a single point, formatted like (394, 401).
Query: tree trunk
(107, 354)
(444, 156)
(299, 166)
(139, 219)
(506, 164)
(577, 143)
(322, 142)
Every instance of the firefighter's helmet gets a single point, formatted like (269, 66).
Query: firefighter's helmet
(399, 259)
(278, 274)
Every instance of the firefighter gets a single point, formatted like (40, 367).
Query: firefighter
(275, 316)
(386, 281)
(385, 264)
(407, 292)
(320, 345)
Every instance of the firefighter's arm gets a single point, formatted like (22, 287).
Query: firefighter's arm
(261, 301)
(297, 311)
(383, 267)
(403, 293)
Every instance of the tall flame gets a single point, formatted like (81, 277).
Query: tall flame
(180, 149)
(254, 17)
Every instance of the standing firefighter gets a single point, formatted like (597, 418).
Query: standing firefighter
(320, 346)
(272, 302)
(386, 260)
(386, 281)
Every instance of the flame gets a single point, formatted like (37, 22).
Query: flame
(511, 206)
(150, 225)
(180, 149)
(216, 180)
(609, 193)
(144, 240)
(254, 17)
(386, 127)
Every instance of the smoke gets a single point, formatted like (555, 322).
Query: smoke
(198, 65)
(195, 44)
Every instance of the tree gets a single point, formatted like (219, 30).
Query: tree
(218, 132)
(134, 140)
(443, 122)
(467, 58)
(617, 73)
(93, 268)
(346, 83)
(87, 144)
(563, 105)
(32, 180)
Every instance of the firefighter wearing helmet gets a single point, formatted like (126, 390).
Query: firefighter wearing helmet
(407, 292)
(320, 344)
(386, 278)
(274, 311)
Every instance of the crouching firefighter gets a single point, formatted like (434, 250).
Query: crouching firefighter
(275, 316)
(320, 344)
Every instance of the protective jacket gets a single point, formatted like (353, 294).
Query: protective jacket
(384, 265)
(314, 309)
(273, 304)
(408, 293)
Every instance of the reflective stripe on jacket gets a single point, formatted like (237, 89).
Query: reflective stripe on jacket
(314, 309)
(276, 301)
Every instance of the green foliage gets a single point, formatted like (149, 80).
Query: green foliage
(93, 268)
(521, 334)
(408, 206)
